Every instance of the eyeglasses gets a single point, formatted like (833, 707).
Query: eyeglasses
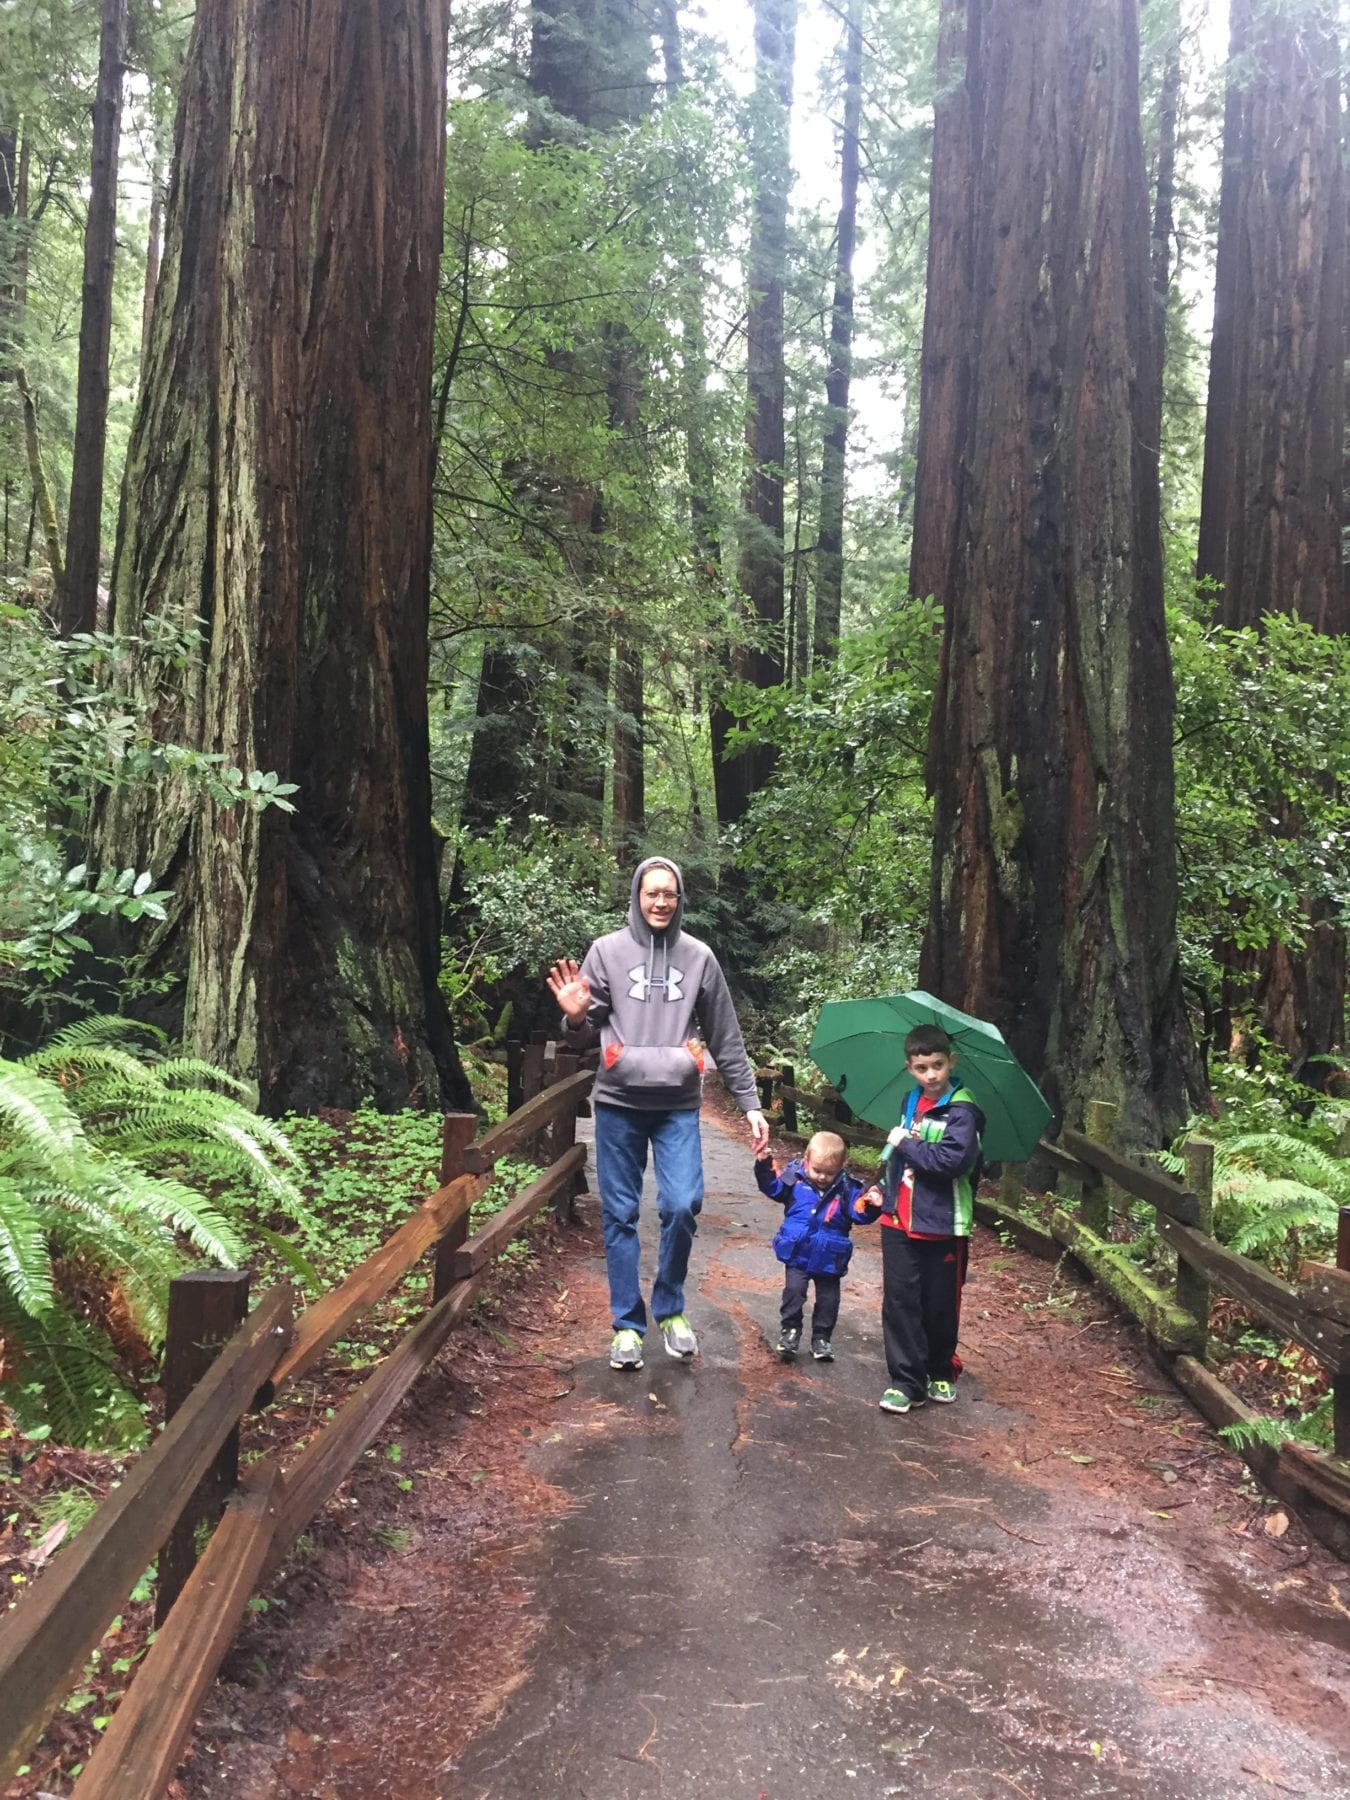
(661, 897)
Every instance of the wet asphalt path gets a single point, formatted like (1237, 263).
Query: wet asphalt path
(768, 1588)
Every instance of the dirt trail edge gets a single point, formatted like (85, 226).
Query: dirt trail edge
(740, 1578)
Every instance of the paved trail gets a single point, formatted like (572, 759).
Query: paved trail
(766, 1587)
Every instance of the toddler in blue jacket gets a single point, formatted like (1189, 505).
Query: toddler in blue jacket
(818, 1196)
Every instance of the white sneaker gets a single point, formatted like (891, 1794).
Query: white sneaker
(679, 1337)
(625, 1352)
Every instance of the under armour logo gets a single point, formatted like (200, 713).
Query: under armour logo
(642, 987)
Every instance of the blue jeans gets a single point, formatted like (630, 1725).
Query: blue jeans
(622, 1134)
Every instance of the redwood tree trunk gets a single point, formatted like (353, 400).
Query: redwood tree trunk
(948, 333)
(1271, 518)
(79, 597)
(830, 564)
(1054, 883)
(737, 778)
(1271, 506)
(154, 249)
(279, 484)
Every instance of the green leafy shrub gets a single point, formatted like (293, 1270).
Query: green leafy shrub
(1279, 1176)
(67, 736)
(526, 902)
(113, 1159)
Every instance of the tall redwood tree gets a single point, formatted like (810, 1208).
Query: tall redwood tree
(1272, 501)
(760, 660)
(279, 490)
(1036, 525)
(1270, 525)
(79, 597)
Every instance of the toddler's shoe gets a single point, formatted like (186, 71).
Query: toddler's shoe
(625, 1350)
(789, 1338)
(896, 1400)
(944, 1392)
(821, 1348)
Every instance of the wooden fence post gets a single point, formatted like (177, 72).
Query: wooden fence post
(1192, 1286)
(1340, 1403)
(457, 1133)
(1011, 1186)
(515, 1069)
(563, 1136)
(789, 1080)
(765, 1079)
(1094, 1205)
(206, 1307)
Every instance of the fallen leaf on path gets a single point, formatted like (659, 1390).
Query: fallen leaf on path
(1277, 1524)
(898, 1674)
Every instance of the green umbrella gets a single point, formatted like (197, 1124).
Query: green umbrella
(859, 1045)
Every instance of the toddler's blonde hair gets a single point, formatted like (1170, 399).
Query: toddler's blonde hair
(828, 1150)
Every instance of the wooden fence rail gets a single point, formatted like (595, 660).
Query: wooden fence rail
(1098, 1182)
(46, 1639)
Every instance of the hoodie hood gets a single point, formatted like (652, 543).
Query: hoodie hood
(639, 927)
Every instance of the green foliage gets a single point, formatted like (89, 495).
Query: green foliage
(525, 903)
(569, 266)
(113, 1159)
(1279, 1175)
(67, 737)
(1263, 785)
(1312, 1427)
(840, 836)
(362, 1174)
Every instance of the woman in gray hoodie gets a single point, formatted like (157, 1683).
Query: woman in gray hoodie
(653, 996)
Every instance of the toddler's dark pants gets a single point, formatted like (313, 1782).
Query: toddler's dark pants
(921, 1307)
(825, 1313)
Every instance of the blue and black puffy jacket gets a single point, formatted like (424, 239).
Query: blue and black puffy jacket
(814, 1234)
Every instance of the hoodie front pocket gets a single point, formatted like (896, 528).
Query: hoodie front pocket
(670, 1066)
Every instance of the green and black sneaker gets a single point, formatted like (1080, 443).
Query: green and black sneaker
(896, 1400)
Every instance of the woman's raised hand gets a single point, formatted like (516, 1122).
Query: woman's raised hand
(570, 989)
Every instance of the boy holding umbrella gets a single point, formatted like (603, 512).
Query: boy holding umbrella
(897, 1054)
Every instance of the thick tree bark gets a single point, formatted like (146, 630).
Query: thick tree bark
(1054, 879)
(833, 475)
(629, 803)
(154, 249)
(949, 334)
(1272, 504)
(760, 660)
(79, 598)
(279, 488)
(1164, 201)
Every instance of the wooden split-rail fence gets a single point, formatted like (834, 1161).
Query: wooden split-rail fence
(1091, 1222)
(222, 1361)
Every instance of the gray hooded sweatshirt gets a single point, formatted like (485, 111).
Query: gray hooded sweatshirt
(656, 998)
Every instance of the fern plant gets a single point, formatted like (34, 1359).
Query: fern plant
(1274, 1191)
(108, 1150)
(1312, 1427)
